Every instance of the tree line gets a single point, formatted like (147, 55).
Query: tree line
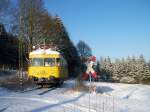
(125, 70)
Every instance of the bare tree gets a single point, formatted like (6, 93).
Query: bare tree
(83, 49)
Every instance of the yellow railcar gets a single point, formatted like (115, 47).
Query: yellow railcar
(47, 66)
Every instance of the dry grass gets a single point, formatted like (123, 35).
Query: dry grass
(145, 81)
(80, 85)
(14, 83)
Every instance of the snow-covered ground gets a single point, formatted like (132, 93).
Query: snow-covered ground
(110, 97)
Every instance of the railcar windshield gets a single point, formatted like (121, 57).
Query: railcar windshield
(46, 62)
(37, 61)
(49, 61)
(58, 62)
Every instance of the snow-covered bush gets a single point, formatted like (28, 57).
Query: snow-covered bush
(128, 79)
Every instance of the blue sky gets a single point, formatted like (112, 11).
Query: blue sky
(115, 28)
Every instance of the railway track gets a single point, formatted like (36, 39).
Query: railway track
(43, 90)
(32, 89)
(46, 90)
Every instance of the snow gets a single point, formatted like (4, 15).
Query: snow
(42, 51)
(110, 97)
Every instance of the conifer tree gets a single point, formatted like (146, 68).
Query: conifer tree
(146, 72)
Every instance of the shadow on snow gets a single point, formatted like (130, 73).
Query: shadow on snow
(103, 89)
(58, 104)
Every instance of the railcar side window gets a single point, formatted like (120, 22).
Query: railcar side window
(37, 62)
(65, 63)
(49, 61)
(58, 62)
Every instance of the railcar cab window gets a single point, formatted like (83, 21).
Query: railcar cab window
(49, 61)
(63, 62)
(58, 62)
(37, 62)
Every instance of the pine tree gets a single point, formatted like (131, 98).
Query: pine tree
(98, 68)
(102, 69)
(116, 76)
(146, 72)
(133, 67)
(149, 64)
(106, 69)
(140, 68)
(109, 68)
(146, 75)
(117, 71)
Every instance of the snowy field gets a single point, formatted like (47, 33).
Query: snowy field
(110, 97)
